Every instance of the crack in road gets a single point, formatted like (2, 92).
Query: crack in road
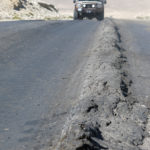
(89, 94)
(108, 115)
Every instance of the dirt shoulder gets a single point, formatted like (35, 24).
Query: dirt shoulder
(107, 115)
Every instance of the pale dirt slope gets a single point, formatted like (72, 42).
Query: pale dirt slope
(26, 9)
(65, 7)
(128, 9)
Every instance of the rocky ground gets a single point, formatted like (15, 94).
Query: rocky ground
(27, 10)
(45, 9)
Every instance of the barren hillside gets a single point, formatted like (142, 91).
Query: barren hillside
(26, 9)
(30, 9)
(65, 7)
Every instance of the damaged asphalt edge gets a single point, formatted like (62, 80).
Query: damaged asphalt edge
(106, 115)
(132, 100)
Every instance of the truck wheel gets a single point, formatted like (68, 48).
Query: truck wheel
(76, 15)
(80, 17)
(101, 16)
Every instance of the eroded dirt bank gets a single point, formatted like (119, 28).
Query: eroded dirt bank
(107, 114)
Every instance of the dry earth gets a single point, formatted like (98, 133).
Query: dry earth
(134, 9)
(26, 9)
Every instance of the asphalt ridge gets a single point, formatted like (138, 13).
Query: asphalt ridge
(107, 115)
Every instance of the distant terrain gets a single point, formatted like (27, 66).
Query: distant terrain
(26, 9)
(128, 9)
(58, 9)
(132, 9)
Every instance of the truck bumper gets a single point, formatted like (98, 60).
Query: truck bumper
(87, 12)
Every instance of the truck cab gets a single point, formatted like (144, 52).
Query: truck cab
(89, 9)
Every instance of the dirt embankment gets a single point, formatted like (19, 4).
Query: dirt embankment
(107, 115)
(27, 9)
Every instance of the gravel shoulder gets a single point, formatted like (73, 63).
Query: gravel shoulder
(107, 114)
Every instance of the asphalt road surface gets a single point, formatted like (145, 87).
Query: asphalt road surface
(40, 65)
(136, 40)
(40, 70)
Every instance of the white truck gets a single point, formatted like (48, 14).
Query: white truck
(89, 8)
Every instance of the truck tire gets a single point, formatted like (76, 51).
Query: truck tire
(76, 15)
(80, 17)
(101, 16)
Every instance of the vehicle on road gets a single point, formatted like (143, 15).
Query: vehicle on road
(89, 8)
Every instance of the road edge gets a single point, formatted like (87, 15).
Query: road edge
(106, 115)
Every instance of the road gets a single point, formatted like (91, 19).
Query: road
(40, 67)
(135, 38)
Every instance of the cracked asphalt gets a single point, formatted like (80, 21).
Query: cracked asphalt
(109, 113)
(40, 67)
(136, 35)
(79, 85)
